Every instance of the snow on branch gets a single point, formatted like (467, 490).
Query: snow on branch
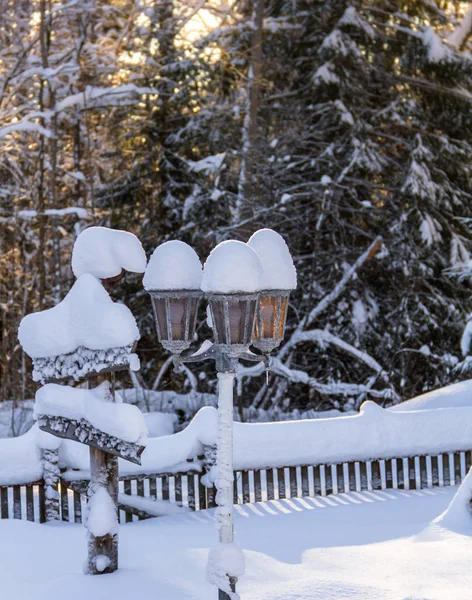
(25, 125)
(328, 389)
(320, 335)
(81, 213)
(112, 95)
(462, 33)
(332, 296)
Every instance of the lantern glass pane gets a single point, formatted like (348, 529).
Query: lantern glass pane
(233, 320)
(177, 317)
(191, 315)
(159, 305)
(236, 313)
(270, 322)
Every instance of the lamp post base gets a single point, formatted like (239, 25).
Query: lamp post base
(224, 595)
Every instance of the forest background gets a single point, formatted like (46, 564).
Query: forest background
(345, 125)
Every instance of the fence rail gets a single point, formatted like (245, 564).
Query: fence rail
(255, 485)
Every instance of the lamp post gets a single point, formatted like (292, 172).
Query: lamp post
(239, 316)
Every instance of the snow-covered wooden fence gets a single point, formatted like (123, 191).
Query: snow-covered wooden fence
(374, 450)
(253, 485)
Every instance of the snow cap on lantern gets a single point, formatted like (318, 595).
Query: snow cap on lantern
(232, 267)
(279, 277)
(232, 279)
(173, 265)
(279, 272)
(105, 253)
(172, 278)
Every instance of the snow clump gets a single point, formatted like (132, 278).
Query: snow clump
(96, 406)
(101, 514)
(86, 317)
(105, 252)
(173, 265)
(277, 263)
(232, 267)
(225, 559)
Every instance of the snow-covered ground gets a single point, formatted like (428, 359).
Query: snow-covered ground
(369, 546)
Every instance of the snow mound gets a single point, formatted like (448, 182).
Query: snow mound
(86, 317)
(457, 395)
(225, 559)
(458, 515)
(20, 460)
(104, 253)
(173, 265)
(160, 423)
(277, 263)
(232, 267)
(153, 506)
(96, 406)
(101, 516)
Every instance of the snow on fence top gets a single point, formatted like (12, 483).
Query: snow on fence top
(173, 265)
(104, 253)
(96, 406)
(457, 395)
(374, 433)
(87, 317)
(278, 269)
(232, 267)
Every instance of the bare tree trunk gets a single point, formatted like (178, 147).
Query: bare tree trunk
(248, 187)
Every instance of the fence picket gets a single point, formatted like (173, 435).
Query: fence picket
(281, 483)
(270, 484)
(16, 502)
(257, 486)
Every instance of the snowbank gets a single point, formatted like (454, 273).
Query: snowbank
(452, 396)
(278, 269)
(151, 506)
(86, 317)
(20, 459)
(96, 406)
(232, 267)
(173, 265)
(458, 515)
(372, 434)
(104, 253)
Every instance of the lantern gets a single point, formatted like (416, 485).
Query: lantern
(172, 279)
(271, 315)
(278, 279)
(175, 314)
(232, 318)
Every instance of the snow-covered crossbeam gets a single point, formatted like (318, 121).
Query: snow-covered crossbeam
(92, 418)
(85, 334)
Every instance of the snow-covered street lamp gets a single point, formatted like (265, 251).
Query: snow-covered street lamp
(233, 276)
(173, 278)
(279, 278)
(231, 282)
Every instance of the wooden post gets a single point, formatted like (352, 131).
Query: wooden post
(51, 476)
(103, 550)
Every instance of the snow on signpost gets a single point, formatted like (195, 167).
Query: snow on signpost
(86, 337)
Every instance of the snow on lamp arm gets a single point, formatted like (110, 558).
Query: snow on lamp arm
(279, 278)
(172, 279)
